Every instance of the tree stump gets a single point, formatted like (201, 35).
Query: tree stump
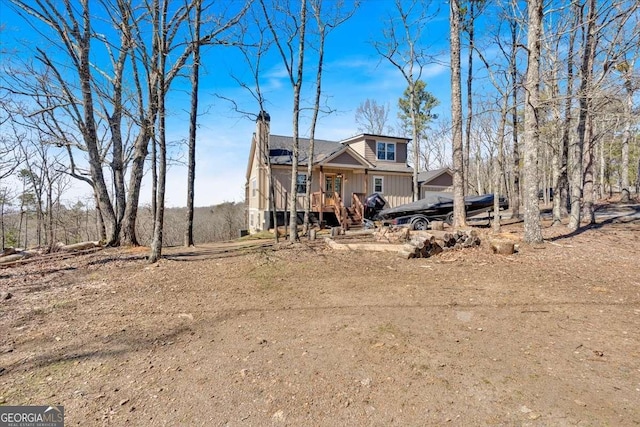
(437, 225)
(502, 247)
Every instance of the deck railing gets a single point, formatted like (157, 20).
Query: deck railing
(358, 207)
(316, 201)
(340, 210)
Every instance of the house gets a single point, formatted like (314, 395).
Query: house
(435, 180)
(343, 174)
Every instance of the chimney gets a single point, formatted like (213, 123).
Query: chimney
(263, 125)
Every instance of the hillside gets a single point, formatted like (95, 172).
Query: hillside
(234, 334)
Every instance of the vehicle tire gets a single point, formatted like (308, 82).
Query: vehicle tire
(420, 224)
(449, 219)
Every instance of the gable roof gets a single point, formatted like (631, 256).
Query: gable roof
(280, 149)
(373, 136)
(324, 152)
(426, 176)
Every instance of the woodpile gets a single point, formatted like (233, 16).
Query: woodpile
(426, 244)
(391, 234)
(411, 244)
(374, 247)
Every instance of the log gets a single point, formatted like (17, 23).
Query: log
(440, 235)
(434, 249)
(12, 258)
(375, 247)
(406, 254)
(18, 256)
(8, 251)
(392, 235)
(80, 246)
(418, 243)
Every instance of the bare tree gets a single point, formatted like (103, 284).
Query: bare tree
(193, 121)
(532, 231)
(473, 9)
(291, 28)
(514, 201)
(459, 214)
(400, 46)
(325, 23)
(372, 117)
(73, 28)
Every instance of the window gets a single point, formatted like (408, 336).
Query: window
(254, 187)
(301, 183)
(378, 184)
(386, 151)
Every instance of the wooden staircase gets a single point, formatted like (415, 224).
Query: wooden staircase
(353, 216)
(353, 219)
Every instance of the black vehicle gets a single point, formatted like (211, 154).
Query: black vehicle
(435, 206)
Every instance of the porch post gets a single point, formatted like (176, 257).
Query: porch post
(366, 182)
(321, 183)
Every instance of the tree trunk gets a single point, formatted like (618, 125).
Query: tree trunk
(158, 224)
(515, 202)
(586, 71)
(193, 121)
(102, 231)
(459, 215)
(467, 145)
(293, 209)
(2, 202)
(498, 164)
(314, 120)
(626, 137)
(90, 131)
(532, 231)
(588, 191)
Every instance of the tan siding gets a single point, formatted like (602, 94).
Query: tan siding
(345, 159)
(358, 147)
(370, 150)
(354, 184)
(397, 188)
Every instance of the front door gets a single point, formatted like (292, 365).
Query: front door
(332, 185)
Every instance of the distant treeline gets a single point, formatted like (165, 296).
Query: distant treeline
(78, 223)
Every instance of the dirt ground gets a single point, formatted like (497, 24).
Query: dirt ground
(230, 335)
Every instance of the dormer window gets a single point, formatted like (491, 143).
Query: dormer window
(386, 151)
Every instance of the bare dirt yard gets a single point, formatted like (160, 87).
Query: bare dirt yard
(305, 336)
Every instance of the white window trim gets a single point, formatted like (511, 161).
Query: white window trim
(254, 187)
(395, 151)
(381, 184)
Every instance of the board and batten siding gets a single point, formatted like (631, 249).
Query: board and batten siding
(396, 188)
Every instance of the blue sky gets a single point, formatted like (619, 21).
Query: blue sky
(353, 73)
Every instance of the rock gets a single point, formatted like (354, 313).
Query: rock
(278, 416)
(6, 295)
